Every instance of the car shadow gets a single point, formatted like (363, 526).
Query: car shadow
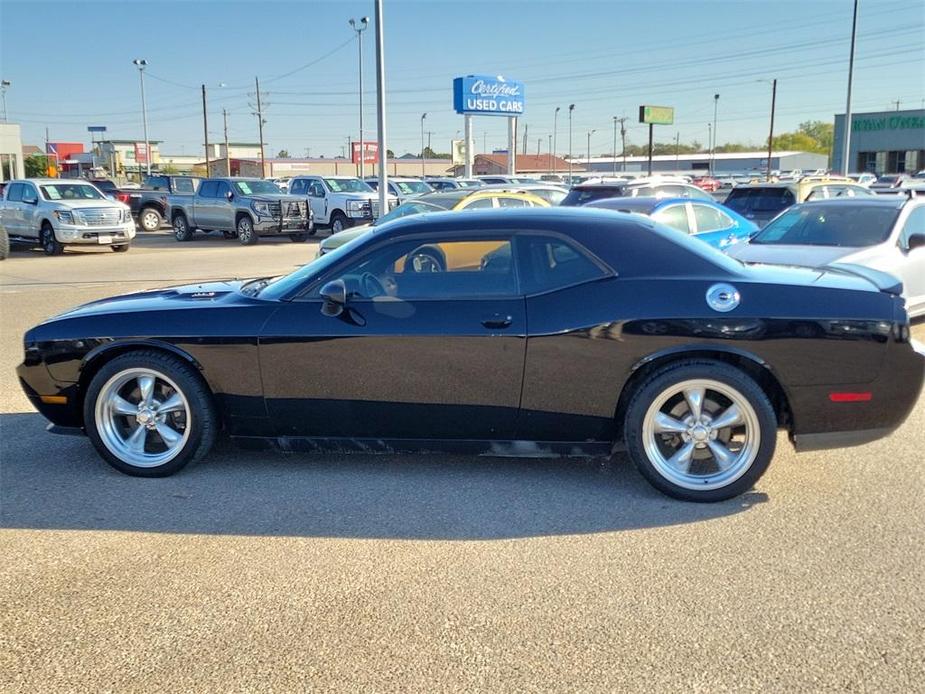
(59, 482)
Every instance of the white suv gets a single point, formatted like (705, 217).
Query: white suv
(60, 212)
(339, 201)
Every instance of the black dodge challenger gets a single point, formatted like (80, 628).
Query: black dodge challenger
(523, 332)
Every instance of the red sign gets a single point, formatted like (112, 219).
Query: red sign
(141, 153)
(370, 152)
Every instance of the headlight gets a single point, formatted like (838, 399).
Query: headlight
(355, 205)
(261, 208)
(126, 215)
(66, 216)
(393, 204)
(303, 207)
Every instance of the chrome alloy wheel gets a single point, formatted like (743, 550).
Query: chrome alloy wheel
(701, 434)
(142, 417)
(150, 220)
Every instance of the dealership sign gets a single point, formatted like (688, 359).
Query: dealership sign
(488, 96)
(141, 153)
(890, 123)
(656, 115)
(370, 152)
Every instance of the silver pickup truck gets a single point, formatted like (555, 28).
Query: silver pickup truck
(246, 208)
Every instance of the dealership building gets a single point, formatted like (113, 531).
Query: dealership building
(882, 142)
(699, 163)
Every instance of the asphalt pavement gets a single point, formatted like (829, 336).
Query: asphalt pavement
(263, 571)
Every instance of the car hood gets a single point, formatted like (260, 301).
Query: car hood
(803, 256)
(84, 204)
(190, 295)
(274, 197)
(342, 237)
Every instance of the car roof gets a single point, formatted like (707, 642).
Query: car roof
(55, 180)
(866, 201)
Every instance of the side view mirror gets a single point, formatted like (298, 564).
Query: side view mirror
(334, 294)
(31, 201)
(229, 195)
(916, 240)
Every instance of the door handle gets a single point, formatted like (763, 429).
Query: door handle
(498, 321)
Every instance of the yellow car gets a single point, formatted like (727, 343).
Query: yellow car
(459, 199)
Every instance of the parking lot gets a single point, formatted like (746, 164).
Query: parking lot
(269, 571)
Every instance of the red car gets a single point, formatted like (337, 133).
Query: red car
(711, 185)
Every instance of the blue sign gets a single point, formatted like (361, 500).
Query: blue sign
(488, 96)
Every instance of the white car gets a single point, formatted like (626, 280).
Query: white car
(61, 212)
(339, 202)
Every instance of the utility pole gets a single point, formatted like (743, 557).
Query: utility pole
(227, 154)
(205, 130)
(555, 133)
(383, 187)
(263, 160)
(141, 63)
(539, 143)
(550, 155)
(677, 148)
(525, 138)
(846, 149)
(590, 133)
(359, 28)
(713, 149)
(423, 158)
(4, 85)
(623, 140)
(771, 133)
(614, 169)
(897, 102)
(571, 108)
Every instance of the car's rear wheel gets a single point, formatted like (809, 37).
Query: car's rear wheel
(50, 244)
(181, 228)
(298, 238)
(150, 219)
(700, 431)
(245, 228)
(339, 222)
(149, 414)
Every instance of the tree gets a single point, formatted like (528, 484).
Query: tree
(390, 154)
(169, 169)
(282, 154)
(811, 136)
(36, 166)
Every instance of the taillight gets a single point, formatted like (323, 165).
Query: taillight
(123, 197)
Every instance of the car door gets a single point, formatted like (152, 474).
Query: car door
(222, 210)
(202, 203)
(911, 262)
(28, 211)
(316, 198)
(12, 210)
(432, 348)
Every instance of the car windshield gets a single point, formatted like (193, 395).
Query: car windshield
(468, 183)
(71, 191)
(277, 287)
(412, 187)
(837, 224)
(347, 185)
(256, 187)
(406, 209)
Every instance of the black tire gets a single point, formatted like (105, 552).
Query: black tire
(203, 421)
(339, 222)
(245, 229)
(230, 234)
(121, 248)
(181, 228)
(298, 238)
(150, 219)
(661, 382)
(50, 244)
(4, 244)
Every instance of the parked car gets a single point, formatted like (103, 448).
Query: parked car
(440, 184)
(246, 208)
(885, 234)
(863, 179)
(890, 181)
(552, 194)
(584, 193)
(636, 334)
(495, 179)
(339, 202)
(4, 243)
(707, 183)
(149, 203)
(482, 198)
(761, 202)
(705, 220)
(56, 213)
(403, 187)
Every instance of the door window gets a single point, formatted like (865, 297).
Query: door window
(547, 263)
(207, 189)
(479, 204)
(420, 270)
(674, 216)
(513, 202)
(296, 187)
(915, 224)
(221, 189)
(315, 189)
(710, 219)
(15, 193)
(29, 192)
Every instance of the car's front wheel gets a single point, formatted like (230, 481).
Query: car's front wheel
(339, 222)
(150, 219)
(50, 243)
(181, 228)
(245, 228)
(700, 431)
(149, 414)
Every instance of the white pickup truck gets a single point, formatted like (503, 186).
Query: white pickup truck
(59, 212)
(339, 202)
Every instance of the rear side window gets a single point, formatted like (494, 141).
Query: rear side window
(915, 224)
(479, 204)
(184, 185)
(710, 219)
(156, 182)
(546, 264)
(513, 202)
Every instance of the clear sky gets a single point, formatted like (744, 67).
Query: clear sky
(71, 66)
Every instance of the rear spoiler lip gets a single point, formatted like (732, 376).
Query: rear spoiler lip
(883, 281)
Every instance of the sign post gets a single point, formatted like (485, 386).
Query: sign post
(484, 95)
(655, 115)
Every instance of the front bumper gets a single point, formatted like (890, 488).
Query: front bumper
(289, 225)
(73, 235)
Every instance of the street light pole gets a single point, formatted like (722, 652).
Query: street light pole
(555, 131)
(205, 129)
(383, 187)
(263, 160)
(4, 85)
(359, 28)
(846, 147)
(614, 171)
(771, 132)
(140, 63)
(423, 158)
(227, 154)
(713, 149)
(571, 107)
(590, 133)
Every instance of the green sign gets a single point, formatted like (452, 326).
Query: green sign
(859, 125)
(656, 115)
